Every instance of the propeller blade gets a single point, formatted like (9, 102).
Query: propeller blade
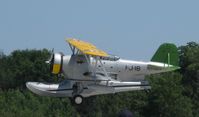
(51, 57)
(48, 62)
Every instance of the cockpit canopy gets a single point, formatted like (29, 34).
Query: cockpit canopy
(110, 58)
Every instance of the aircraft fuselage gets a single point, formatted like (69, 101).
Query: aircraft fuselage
(77, 67)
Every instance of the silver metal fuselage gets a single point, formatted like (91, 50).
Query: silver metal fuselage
(76, 67)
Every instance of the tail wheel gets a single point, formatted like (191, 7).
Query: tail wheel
(78, 99)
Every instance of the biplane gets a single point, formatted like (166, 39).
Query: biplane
(90, 71)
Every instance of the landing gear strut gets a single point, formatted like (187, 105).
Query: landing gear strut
(77, 89)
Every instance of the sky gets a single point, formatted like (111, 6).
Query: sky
(131, 29)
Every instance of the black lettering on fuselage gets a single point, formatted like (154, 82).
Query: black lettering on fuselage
(132, 68)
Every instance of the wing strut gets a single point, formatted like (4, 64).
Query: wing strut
(89, 50)
(97, 59)
(72, 49)
(104, 69)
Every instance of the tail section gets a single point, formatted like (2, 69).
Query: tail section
(167, 53)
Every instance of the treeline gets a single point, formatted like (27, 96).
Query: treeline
(173, 94)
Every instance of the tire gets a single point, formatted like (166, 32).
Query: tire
(78, 99)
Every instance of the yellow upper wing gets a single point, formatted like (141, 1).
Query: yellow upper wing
(86, 48)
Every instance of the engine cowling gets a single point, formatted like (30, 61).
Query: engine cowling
(56, 63)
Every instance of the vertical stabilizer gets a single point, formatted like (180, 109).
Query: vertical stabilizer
(167, 53)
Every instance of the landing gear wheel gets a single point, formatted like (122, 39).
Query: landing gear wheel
(147, 90)
(78, 99)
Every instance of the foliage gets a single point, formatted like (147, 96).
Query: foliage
(23, 103)
(174, 94)
(167, 98)
(189, 56)
(22, 66)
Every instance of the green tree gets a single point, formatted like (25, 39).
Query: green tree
(189, 55)
(22, 66)
(166, 98)
(173, 94)
(23, 103)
